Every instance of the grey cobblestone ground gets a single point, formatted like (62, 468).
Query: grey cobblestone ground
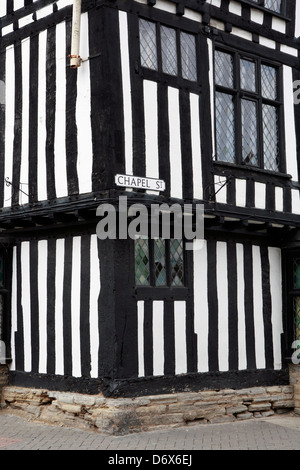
(275, 433)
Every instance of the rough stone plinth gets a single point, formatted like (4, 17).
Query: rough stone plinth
(117, 416)
(294, 370)
(3, 379)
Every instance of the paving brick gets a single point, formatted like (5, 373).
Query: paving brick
(252, 434)
(279, 432)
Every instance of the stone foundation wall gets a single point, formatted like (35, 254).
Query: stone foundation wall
(3, 378)
(117, 416)
(294, 371)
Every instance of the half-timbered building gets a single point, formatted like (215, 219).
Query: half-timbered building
(201, 95)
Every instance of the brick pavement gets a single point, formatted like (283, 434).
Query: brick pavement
(281, 432)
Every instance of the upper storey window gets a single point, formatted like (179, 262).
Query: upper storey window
(248, 111)
(273, 5)
(168, 50)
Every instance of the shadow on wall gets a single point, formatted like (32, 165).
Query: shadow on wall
(3, 369)
(2, 353)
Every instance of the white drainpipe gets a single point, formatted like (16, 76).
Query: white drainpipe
(75, 59)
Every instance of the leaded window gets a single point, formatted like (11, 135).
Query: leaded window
(1, 272)
(4, 293)
(273, 5)
(297, 318)
(148, 45)
(296, 297)
(292, 306)
(160, 269)
(188, 56)
(167, 50)
(142, 262)
(159, 262)
(248, 111)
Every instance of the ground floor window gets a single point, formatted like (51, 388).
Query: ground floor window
(159, 262)
(4, 302)
(1, 296)
(293, 303)
(296, 297)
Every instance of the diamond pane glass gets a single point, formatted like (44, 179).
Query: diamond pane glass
(249, 132)
(223, 69)
(225, 128)
(269, 82)
(142, 266)
(148, 44)
(169, 50)
(1, 272)
(270, 138)
(188, 56)
(2, 353)
(296, 273)
(176, 258)
(274, 5)
(248, 75)
(160, 274)
(297, 317)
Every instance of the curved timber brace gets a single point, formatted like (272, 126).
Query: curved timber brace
(221, 184)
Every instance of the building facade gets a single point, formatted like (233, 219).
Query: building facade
(201, 95)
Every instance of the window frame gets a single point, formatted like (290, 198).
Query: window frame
(290, 292)
(161, 76)
(238, 95)
(261, 5)
(168, 266)
(5, 293)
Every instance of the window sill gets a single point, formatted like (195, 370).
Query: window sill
(161, 293)
(172, 80)
(237, 169)
(266, 10)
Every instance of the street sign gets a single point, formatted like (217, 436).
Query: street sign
(138, 182)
